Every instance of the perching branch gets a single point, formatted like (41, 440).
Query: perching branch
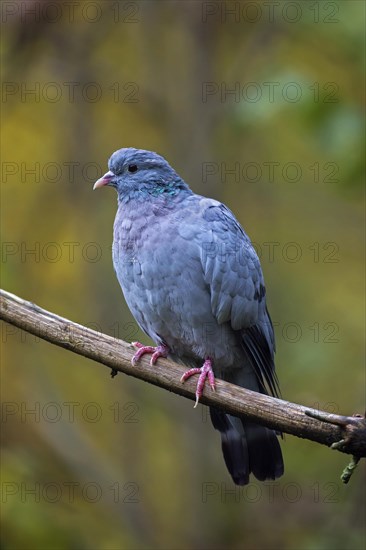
(344, 433)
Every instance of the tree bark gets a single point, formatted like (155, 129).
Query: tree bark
(344, 433)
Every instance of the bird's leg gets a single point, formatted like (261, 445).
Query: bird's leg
(158, 351)
(204, 372)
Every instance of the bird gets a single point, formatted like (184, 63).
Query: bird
(194, 284)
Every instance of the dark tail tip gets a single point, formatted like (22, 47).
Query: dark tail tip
(248, 448)
(265, 456)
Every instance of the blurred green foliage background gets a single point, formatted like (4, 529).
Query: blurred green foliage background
(272, 91)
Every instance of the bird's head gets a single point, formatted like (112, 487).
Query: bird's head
(137, 174)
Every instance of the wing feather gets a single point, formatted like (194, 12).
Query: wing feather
(234, 276)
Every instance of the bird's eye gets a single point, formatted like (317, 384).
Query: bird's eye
(132, 168)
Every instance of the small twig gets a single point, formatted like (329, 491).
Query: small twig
(349, 469)
(353, 430)
(354, 436)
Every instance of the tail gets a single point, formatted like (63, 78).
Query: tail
(248, 448)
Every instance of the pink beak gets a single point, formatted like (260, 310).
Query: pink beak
(104, 180)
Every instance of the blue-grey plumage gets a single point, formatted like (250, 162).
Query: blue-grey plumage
(194, 284)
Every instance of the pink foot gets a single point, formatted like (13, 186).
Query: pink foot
(158, 351)
(204, 372)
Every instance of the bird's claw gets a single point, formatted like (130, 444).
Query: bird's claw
(204, 372)
(156, 352)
